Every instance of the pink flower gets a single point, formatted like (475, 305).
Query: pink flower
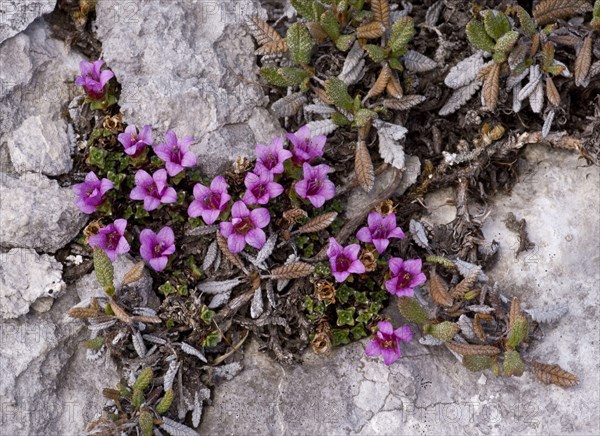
(387, 341)
(315, 186)
(306, 148)
(380, 230)
(135, 142)
(344, 260)
(157, 247)
(271, 158)
(152, 189)
(209, 202)
(260, 188)
(245, 227)
(175, 153)
(406, 275)
(111, 239)
(90, 194)
(92, 79)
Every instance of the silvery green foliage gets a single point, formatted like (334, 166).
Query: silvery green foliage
(219, 287)
(321, 127)
(270, 294)
(154, 339)
(353, 68)
(417, 62)
(197, 411)
(119, 337)
(96, 327)
(466, 269)
(513, 81)
(430, 341)
(459, 97)
(219, 299)
(138, 344)
(289, 105)
(433, 13)
(547, 123)
(418, 234)
(188, 349)
(257, 307)
(536, 98)
(267, 249)
(534, 78)
(516, 106)
(211, 255)
(175, 428)
(480, 308)
(228, 371)
(319, 109)
(465, 72)
(548, 314)
(390, 149)
(144, 311)
(466, 327)
(169, 377)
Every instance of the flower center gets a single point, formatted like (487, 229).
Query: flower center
(112, 239)
(270, 162)
(387, 344)
(404, 280)
(342, 263)
(380, 232)
(212, 201)
(152, 190)
(314, 186)
(243, 226)
(158, 249)
(259, 191)
(133, 138)
(176, 155)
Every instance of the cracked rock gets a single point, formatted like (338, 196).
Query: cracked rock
(17, 14)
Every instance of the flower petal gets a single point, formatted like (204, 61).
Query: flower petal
(201, 191)
(301, 188)
(395, 264)
(352, 251)
(120, 224)
(385, 327)
(357, 267)
(341, 276)
(390, 355)
(159, 263)
(236, 243)
(169, 196)
(374, 219)
(413, 266)
(381, 244)
(219, 184)
(364, 235)
(210, 216)
(256, 238)
(239, 210)
(226, 228)
(260, 217)
(166, 235)
(151, 203)
(404, 333)
(373, 349)
(173, 168)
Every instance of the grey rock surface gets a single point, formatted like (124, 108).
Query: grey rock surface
(428, 391)
(189, 66)
(35, 212)
(15, 15)
(25, 277)
(47, 385)
(37, 77)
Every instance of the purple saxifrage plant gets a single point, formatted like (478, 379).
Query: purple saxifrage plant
(379, 231)
(315, 186)
(93, 79)
(245, 227)
(260, 188)
(111, 239)
(152, 189)
(387, 341)
(175, 153)
(157, 247)
(344, 260)
(90, 193)
(135, 142)
(306, 148)
(271, 158)
(406, 275)
(209, 202)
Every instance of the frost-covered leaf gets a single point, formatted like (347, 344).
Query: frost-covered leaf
(459, 97)
(430, 341)
(466, 269)
(138, 344)
(534, 78)
(417, 62)
(464, 72)
(549, 117)
(197, 411)
(169, 377)
(257, 307)
(418, 234)
(289, 105)
(219, 300)
(188, 349)
(211, 255)
(496, 23)
(175, 428)
(548, 314)
(583, 61)
(353, 65)
(536, 98)
(321, 127)
(516, 103)
(433, 13)
(403, 103)
(390, 149)
(267, 249)
(480, 308)
(466, 327)
(218, 287)
(513, 81)
(319, 108)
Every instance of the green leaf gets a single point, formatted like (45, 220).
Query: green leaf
(358, 332)
(527, 23)
(104, 270)
(364, 116)
(309, 9)
(547, 55)
(94, 344)
(403, 31)
(299, 43)
(340, 337)
(163, 405)
(513, 364)
(212, 340)
(444, 331)
(137, 399)
(477, 363)
(500, 57)
(337, 92)
(340, 119)
(330, 25)
(167, 288)
(342, 294)
(146, 422)
(395, 64)
(375, 52)
(286, 76)
(344, 42)
(496, 23)
(412, 311)
(97, 157)
(143, 379)
(507, 41)
(478, 37)
(345, 316)
(518, 332)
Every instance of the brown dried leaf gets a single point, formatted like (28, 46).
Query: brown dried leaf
(515, 310)
(273, 47)
(363, 166)
(375, 29)
(547, 11)
(535, 44)
(318, 223)
(473, 350)
(83, 312)
(438, 291)
(233, 258)
(381, 83)
(262, 32)
(491, 86)
(381, 11)
(465, 285)
(478, 328)
(294, 270)
(289, 105)
(403, 103)
(583, 61)
(293, 215)
(322, 95)
(120, 312)
(134, 274)
(552, 92)
(553, 374)
(147, 319)
(394, 88)
(316, 31)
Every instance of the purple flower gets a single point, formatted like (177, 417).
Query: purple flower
(260, 188)
(245, 227)
(406, 274)
(315, 186)
(156, 248)
(387, 341)
(152, 189)
(90, 194)
(305, 148)
(271, 158)
(174, 152)
(135, 142)
(111, 239)
(344, 260)
(92, 79)
(380, 230)
(209, 202)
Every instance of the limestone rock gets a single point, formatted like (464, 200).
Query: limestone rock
(35, 212)
(15, 15)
